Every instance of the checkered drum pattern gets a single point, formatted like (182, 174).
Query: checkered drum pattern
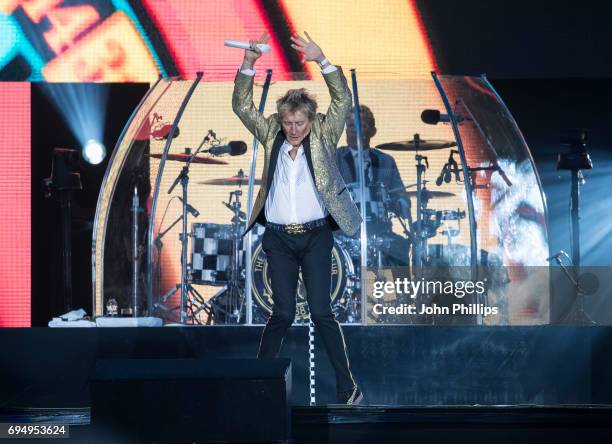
(212, 248)
(211, 253)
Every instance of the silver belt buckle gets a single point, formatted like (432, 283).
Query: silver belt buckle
(296, 229)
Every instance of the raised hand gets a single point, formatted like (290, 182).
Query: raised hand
(251, 55)
(309, 50)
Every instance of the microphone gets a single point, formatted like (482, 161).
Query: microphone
(433, 117)
(245, 45)
(192, 210)
(445, 175)
(449, 168)
(233, 148)
(453, 167)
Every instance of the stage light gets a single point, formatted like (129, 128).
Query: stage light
(94, 152)
(83, 107)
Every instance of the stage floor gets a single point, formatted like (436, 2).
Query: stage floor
(431, 424)
(394, 365)
(422, 384)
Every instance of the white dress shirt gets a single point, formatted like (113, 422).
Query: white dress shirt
(293, 196)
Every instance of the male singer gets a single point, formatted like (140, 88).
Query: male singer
(301, 200)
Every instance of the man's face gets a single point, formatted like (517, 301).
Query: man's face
(296, 127)
(367, 131)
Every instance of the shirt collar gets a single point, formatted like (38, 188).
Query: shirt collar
(287, 147)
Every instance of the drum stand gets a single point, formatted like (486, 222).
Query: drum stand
(420, 245)
(158, 247)
(234, 298)
(210, 307)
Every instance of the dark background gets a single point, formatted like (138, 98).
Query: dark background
(520, 39)
(542, 108)
(49, 130)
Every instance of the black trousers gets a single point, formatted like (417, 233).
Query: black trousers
(311, 251)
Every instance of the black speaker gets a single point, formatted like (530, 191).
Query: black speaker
(187, 400)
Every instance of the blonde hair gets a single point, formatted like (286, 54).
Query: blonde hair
(297, 100)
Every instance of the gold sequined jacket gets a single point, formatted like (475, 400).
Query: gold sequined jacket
(319, 148)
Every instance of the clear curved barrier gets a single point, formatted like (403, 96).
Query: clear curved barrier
(114, 282)
(416, 203)
(409, 216)
(509, 205)
(217, 190)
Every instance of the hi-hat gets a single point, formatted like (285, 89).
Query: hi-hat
(411, 145)
(182, 157)
(234, 180)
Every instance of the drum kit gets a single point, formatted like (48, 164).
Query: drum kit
(218, 250)
(381, 205)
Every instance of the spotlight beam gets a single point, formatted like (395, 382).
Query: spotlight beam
(83, 107)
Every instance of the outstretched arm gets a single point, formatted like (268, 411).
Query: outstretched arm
(242, 98)
(398, 191)
(341, 101)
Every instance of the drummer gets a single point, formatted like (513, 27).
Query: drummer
(380, 168)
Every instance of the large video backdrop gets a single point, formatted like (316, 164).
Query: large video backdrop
(15, 205)
(136, 41)
(130, 41)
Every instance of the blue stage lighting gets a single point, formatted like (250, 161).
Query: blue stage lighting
(83, 106)
(94, 152)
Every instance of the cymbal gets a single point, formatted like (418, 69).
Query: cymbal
(234, 180)
(181, 157)
(395, 190)
(410, 145)
(431, 194)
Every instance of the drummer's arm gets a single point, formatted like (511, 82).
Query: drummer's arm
(400, 195)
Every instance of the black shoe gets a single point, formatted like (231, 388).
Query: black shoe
(350, 397)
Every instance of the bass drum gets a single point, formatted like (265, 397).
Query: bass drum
(342, 287)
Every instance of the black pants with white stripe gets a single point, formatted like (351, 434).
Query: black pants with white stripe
(311, 251)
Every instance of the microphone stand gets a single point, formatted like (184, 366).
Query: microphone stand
(576, 160)
(135, 253)
(186, 287)
(493, 167)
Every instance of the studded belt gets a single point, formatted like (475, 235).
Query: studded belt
(297, 228)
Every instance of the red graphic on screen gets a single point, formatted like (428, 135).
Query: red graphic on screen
(196, 36)
(15, 244)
